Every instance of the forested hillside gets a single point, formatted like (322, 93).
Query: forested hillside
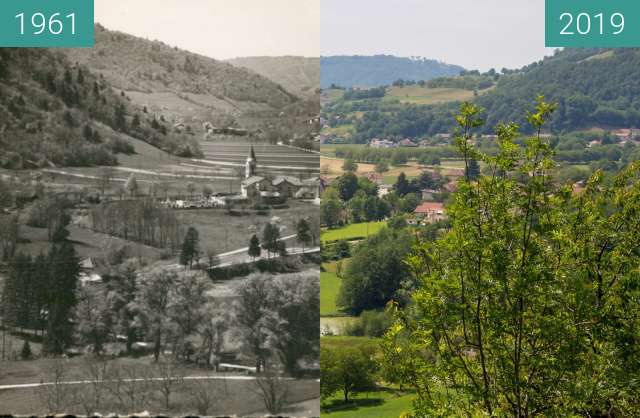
(53, 112)
(379, 70)
(592, 87)
(298, 75)
(137, 64)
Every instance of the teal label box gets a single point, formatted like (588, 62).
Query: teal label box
(46, 23)
(592, 23)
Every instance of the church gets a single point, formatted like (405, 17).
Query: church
(255, 187)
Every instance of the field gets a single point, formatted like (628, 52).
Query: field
(329, 287)
(221, 169)
(351, 231)
(330, 149)
(383, 403)
(427, 96)
(86, 242)
(273, 159)
(222, 232)
(233, 395)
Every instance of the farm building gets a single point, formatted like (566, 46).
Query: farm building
(430, 211)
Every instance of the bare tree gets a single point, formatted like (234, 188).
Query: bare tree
(274, 392)
(170, 379)
(56, 396)
(205, 395)
(105, 178)
(212, 330)
(92, 396)
(132, 387)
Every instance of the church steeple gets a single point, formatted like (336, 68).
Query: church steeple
(251, 164)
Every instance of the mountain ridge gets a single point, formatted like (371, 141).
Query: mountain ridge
(379, 70)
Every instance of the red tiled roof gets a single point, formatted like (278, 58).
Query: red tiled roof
(427, 207)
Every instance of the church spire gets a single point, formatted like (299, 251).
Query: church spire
(251, 165)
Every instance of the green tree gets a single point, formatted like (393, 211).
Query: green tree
(132, 185)
(152, 305)
(349, 166)
(190, 247)
(271, 238)
(295, 303)
(346, 370)
(382, 167)
(303, 232)
(64, 270)
(527, 304)
(377, 272)
(254, 247)
(330, 212)
(347, 185)
(402, 185)
(119, 119)
(472, 169)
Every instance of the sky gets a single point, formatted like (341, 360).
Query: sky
(477, 34)
(220, 29)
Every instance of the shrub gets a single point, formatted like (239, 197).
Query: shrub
(25, 352)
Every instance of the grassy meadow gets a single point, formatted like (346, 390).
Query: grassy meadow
(351, 231)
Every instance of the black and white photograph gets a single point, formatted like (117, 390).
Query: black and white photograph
(159, 214)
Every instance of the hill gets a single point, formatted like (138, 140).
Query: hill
(593, 87)
(55, 113)
(298, 75)
(183, 86)
(379, 70)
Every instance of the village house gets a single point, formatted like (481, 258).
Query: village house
(407, 143)
(254, 187)
(384, 189)
(88, 276)
(381, 143)
(626, 133)
(430, 212)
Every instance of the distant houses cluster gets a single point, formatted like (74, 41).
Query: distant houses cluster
(255, 187)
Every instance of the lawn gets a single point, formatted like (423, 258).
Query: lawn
(377, 404)
(329, 287)
(348, 341)
(382, 403)
(351, 231)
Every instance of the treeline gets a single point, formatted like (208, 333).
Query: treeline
(591, 87)
(357, 94)
(140, 220)
(465, 82)
(39, 294)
